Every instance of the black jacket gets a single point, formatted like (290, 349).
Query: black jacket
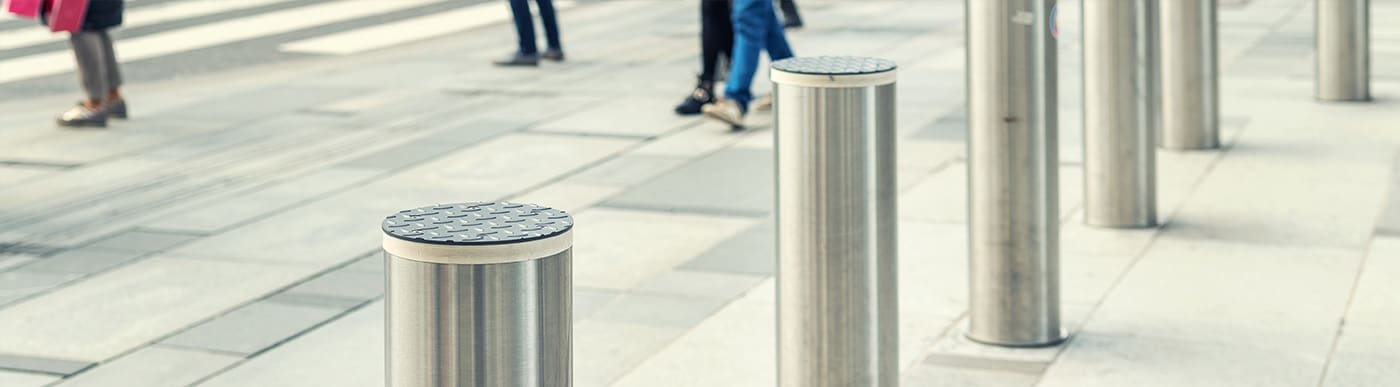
(101, 15)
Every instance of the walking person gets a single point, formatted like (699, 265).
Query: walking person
(716, 43)
(528, 54)
(756, 28)
(790, 17)
(98, 70)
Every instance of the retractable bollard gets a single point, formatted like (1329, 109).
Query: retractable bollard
(1190, 76)
(1343, 50)
(1121, 100)
(837, 306)
(479, 294)
(1013, 217)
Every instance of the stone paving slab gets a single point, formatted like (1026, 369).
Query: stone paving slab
(154, 366)
(42, 365)
(252, 328)
(346, 352)
(646, 243)
(1093, 360)
(24, 379)
(82, 261)
(731, 182)
(126, 308)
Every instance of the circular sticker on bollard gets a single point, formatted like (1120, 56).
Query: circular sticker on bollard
(1055, 21)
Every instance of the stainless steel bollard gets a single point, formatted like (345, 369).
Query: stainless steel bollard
(1190, 76)
(1343, 50)
(1121, 100)
(479, 294)
(1013, 217)
(837, 307)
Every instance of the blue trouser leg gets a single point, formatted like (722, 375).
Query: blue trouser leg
(551, 24)
(524, 26)
(756, 28)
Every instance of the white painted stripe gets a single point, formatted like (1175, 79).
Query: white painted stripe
(208, 35)
(408, 30)
(139, 17)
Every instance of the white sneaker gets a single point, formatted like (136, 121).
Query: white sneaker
(81, 116)
(726, 110)
(763, 104)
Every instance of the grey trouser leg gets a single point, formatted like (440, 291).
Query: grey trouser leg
(97, 63)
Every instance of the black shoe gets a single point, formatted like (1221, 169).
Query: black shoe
(703, 95)
(519, 59)
(554, 54)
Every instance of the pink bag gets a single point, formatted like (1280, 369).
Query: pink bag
(67, 15)
(28, 9)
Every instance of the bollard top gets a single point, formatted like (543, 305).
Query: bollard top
(477, 232)
(833, 71)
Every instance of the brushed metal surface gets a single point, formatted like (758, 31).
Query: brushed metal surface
(1190, 75)
(1012, 180)
(1343, 50)
(1121, 103)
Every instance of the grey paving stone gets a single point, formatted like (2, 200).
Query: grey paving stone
(731, 181)
(42, 365)
(314, 300)
(1365, 356)
(253, 328)
(656, 310)
(142, 241)
(749, 252)
(641, 117)
(266, 102)
(588, 301)
(948, 376)
(11, 261)
(601, 357)
(1389, 222)
(374, 263)
(345, 284)
(629, 169)
(403, 155)
(700, 284)
(1116, 361)
(25, 379)
(154, 366)
(85, 260)
(347, 352)
(951, 127)
(15, 285)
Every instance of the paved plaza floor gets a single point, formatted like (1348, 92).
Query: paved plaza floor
(227, 235)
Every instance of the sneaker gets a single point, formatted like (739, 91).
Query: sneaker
(553, 54)
(764, 104)
(82, 116)
(115, 109)
(727, 111)
(518, 59)
(703, 95)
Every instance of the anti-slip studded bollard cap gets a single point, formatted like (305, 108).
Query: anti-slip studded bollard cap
(833, 71)
(477, 233)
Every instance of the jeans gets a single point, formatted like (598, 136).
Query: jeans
(756, 28)
(525, 25)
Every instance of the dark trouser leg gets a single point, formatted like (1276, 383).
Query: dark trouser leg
(524, 26)
(551, 24)
(716, 37)
(114, 73)
(92, 63)
(790, 15)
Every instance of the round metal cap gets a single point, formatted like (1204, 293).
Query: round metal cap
(477, 232)
(833, 71)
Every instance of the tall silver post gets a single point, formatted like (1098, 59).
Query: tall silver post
(1190, 76)
(1012, 181)
(837, 308)
(1343, 50)
(1121, 100)
(479, 294)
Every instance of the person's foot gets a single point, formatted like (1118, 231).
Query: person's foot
(703, 95)
(83, 116)
(115, 109)
(764, 103)
(519, 59)
(728, 111)
(553, 54)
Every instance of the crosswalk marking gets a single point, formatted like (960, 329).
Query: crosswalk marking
(391, 34)
(208, 35)
(138, 17)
